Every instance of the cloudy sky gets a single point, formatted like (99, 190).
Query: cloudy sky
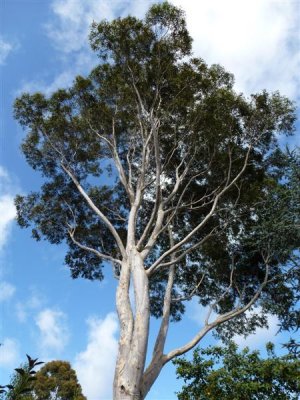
(43, 45)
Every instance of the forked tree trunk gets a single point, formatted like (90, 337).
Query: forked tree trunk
(134, 329)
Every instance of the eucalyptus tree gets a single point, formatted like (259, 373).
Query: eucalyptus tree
(154, 165)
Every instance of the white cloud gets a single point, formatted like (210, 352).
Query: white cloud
(69, 30)
(7, 290)
(9, 353)
(73, 19)
(95, 365)
(8, 213)
(7, 208)
(5, 49)
(261, 335)
(259, 338)
(54, 334)
(197, 313)
(24, 309)
(258, 41)
(62, 80)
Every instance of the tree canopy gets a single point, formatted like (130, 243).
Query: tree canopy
(21, 382)
(55, 380)
(59, 379)
(155, 164)
(226, 373)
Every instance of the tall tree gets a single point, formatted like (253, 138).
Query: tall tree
(224, 373)
(155, 165)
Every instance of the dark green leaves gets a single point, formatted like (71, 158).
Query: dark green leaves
(208, 135)
(226, 373)
(54, 377)
(22, 382)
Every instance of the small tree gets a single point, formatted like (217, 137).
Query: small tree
(22, 382)
(155, 165)
(55, 380)
(58, 379)
(224, 373)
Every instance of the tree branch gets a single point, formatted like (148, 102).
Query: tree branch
(185, 298)
(182, 255)
(92, 250)
(206, 218)
(161, 337)
(112, 145)
(92, 205)
(218, 321)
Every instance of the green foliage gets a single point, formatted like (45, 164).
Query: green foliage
(293, 347)
(147, 74)
(55, 378)
(225, 373)
(22, 382)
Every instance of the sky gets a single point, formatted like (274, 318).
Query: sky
(43, 46)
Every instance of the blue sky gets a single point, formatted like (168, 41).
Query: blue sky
(43, 45)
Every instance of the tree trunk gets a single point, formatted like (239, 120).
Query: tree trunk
(151, 375)
(134, 330)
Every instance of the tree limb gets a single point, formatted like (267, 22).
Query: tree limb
(206, 218)
(92, 205)
(218, 321)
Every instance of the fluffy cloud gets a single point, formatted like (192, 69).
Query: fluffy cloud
(8, 213)
(95, 365)
(25, 308)
(7, 208)
(73, 17)
(53, 330)
(6, 291)
(256, 40)
(261, 335)
(198, 313)
(70, 30)
(83, 62)
(5, 49)
(9, 353)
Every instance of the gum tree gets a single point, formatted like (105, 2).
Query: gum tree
(154, 165)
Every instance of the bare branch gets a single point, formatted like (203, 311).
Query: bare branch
(119, 165)
(112, 145)
(223, 295)
(100, 214)
(158, 208)
(164, 326)
(102, 137)
(92, 250)
(182, 255)
(185, 298)
(206, 218)
(218, 321)
(180, 178)
(161, 337)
